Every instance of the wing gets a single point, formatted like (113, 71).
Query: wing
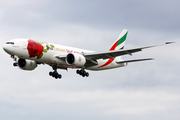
(91, 58)
(115, 53)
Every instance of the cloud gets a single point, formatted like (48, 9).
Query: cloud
(111, 14)
(143, 90)
(12, 3)
(120, 102)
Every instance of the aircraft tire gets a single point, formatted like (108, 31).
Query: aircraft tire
(81, 72)
(77, 71)
(87, 74)
(53, 74)
(59, 76)
(15, 64)
(50, 73)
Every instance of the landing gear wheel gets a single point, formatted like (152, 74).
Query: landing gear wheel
(15, 64)
(87, 74)
(59, 76)
(55, 74)
(50, 73)
(83, 73)
(77, 71)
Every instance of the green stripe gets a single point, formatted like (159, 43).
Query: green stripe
(121, 40)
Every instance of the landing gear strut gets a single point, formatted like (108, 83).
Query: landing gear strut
(15, 59)
(83, 73)
(55, 74)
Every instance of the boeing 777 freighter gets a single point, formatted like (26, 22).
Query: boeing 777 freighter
(29, 53)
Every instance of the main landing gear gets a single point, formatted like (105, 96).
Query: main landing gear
(55, 74)
(83, 73)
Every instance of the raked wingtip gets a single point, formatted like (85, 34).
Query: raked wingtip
(169, 42)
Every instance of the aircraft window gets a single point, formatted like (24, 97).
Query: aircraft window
(10, 43)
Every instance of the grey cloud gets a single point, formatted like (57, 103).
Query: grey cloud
(114, 14)
(150, 87)
(161, 15)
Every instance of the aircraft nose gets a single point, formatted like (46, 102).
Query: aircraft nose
(7, 49)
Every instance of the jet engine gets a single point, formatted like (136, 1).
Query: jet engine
(75, 59)
(27, 64)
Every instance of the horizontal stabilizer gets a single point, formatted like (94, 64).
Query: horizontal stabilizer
(137, 60)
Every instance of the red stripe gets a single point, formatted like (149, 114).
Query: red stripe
(107, 63)
(114, 46)
(110, 59)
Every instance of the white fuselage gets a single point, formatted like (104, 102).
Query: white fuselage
(19, 48)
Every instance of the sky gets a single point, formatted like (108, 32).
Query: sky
(143, 90)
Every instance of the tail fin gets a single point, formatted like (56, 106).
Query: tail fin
(119, 43)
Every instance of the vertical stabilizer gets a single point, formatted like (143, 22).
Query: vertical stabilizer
(119, 43)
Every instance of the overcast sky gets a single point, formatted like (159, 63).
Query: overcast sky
(140, 91)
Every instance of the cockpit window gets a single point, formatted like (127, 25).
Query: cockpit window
(10, 43)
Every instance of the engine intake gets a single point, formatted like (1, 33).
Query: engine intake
(75, 59)
(27, 64)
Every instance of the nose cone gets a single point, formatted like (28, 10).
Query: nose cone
(6, 48)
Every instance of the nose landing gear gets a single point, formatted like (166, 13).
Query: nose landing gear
(83, 73)
(15, 59)
(15, 64)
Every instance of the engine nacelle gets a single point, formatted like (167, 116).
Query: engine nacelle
(75, 59)
(27, 64)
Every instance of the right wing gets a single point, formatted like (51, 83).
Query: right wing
(92, 57)
(115, 53)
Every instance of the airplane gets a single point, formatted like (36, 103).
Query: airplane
(31, 53)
